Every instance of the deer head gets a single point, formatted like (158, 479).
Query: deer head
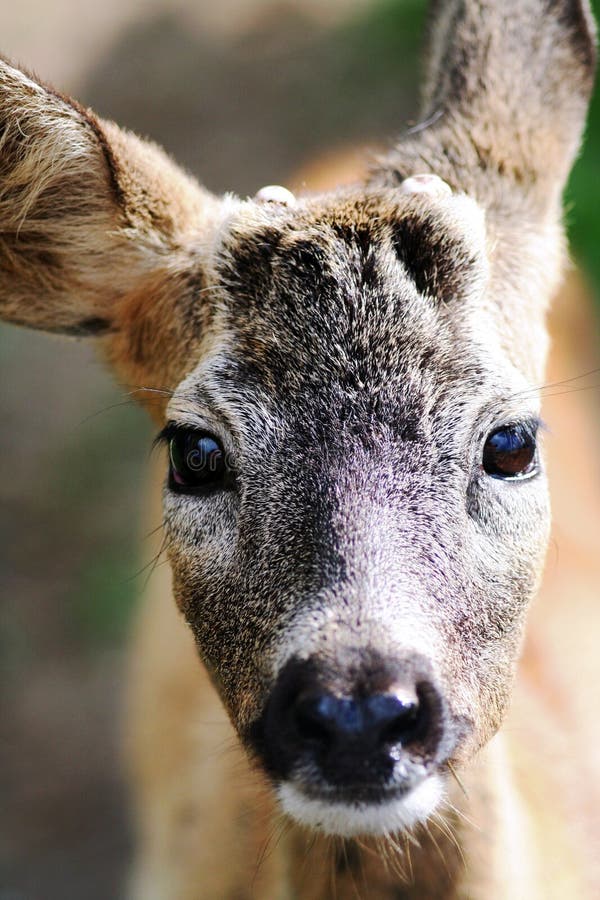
(356, 502)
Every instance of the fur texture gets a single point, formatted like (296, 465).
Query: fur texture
(351, 352)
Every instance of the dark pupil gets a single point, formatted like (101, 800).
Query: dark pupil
(509, 452)
(197, 460)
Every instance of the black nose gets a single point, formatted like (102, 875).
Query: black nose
(373, 722)
(365, 727)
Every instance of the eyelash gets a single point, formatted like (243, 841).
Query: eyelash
(165, 435)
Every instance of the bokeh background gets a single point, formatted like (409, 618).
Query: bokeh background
(242, 93)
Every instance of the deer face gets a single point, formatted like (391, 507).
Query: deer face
(354, 560)
(356, 508)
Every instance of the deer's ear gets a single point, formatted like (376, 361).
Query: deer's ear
(89, 214)
(505, 99)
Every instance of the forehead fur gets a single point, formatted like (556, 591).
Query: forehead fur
(438, 240)
(341, 286)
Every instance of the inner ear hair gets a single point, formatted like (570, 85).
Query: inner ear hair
(87, 211)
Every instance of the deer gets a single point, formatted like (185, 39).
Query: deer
(324, 698)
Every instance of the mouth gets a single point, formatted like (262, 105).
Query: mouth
(350, 815)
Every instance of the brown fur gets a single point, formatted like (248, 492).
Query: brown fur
(350, 337)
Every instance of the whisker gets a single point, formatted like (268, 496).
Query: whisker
(577, 390)
(458, 812)
(332, 872)
(383, 850)
(311, 840)
(153, 563)
(154, 530)
(440, 853)
(151, 390)
(397, 857)
(454, 774)
(412, 838)
(285, 828)
(408, 857)
(535, 389)
(105, 409)
(446, 830)
(281, 827)
(374, 853)
(262, 854)
(363, 874)
(127, 402)
(348, 868)
(563, 381)
(227, 747)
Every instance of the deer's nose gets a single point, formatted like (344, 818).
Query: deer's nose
(368, 728)
(368, 723)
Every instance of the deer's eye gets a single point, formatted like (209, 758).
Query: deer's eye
(510, 452)
(197, 461)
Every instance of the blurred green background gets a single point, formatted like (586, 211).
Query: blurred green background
(242, 95)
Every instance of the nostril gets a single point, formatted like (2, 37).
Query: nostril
(401, 719)
(380, 719)
(315, 717)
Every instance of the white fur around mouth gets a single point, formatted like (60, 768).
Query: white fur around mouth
(347, 820)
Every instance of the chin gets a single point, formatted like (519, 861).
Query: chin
(350, 819)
